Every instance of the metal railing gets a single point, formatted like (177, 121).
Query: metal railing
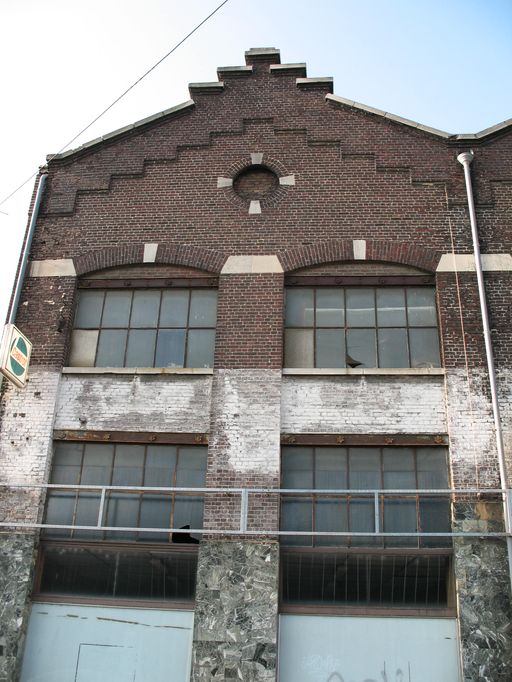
(377, 496)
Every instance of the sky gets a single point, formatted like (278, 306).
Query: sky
(443, 63)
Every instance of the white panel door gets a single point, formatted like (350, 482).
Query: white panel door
(67, 643)
(353, 649)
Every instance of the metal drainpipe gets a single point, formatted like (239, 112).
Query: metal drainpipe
(465, 159)
(26, 249)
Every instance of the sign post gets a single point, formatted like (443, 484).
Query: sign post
(15, 355)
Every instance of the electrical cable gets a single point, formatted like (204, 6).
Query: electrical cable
(97, 118)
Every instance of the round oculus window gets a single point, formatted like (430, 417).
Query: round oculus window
(255, 183)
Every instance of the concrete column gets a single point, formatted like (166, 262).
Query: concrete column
(480, 564)
(235, 627)
(25, 452)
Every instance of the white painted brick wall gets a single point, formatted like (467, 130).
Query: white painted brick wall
(377, 404)
(179, 403)
(26, 441)
(471, 427)
(244, 435)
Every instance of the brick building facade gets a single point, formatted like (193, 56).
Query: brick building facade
(345, 353)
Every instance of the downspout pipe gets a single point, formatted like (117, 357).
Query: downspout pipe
(465, 160)
(26, 249)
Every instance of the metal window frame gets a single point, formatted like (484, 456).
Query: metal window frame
(133, 285)
(374, 283)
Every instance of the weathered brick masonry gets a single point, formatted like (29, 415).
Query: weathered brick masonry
(356, 193)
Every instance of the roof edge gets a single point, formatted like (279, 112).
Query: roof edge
(462, 137)
(178, 109)
(386, 114)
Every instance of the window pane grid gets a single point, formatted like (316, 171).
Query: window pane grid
(364, 336)
(124, 508)
(355, 512)
(139, 339)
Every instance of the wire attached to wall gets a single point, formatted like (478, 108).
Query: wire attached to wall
(119, 98)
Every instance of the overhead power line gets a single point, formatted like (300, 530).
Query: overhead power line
(123, 94)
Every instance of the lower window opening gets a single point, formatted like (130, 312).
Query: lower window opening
(117, 573)
(382, 580)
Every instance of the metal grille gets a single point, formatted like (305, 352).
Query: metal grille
(364, 579)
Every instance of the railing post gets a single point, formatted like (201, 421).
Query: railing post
(100, 510)
(244, 506)
(376, 512)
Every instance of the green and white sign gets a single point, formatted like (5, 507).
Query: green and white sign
(15, 355)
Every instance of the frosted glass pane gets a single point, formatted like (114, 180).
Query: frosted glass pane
(398, 468)
(432, 468)
(191, 470)
(424, 344)
(170, 348)
(203, 308)
(421, 307)
(298, 348)
(145, 309)
(141, 348)
(111, 348)
(400, 517)
(128, 465)
(360, 307)
(97, 463)
(296, 514)
(88, 314)
(155, 512)
(297, 467)
(160, 465)
(393, 350)
(188, 511)
(116, 311)
(364, 468)
(361, 348)
(174, 309)
(330, 310)
(66, 464)
(331, 515)
(299, 308)
(391, 308)
(330, 348)
(122, 510)
(200, 348)
(59, 510)
(331, 468)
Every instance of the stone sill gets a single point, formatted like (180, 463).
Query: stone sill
(366, 371)
(137, 370)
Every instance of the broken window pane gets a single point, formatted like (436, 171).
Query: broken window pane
(361, 348)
